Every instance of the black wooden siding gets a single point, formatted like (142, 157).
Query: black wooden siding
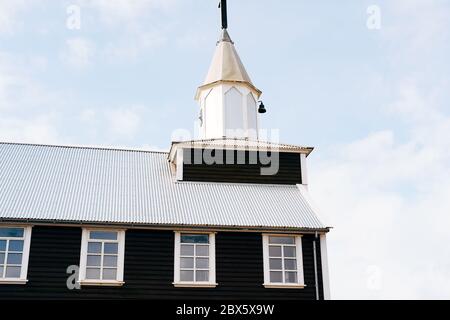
(149, 268)
(244, 172)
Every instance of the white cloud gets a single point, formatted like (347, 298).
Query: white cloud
(40, 129)
(387, 194)
(25, 115)
(419, 22)
(124, 122)
(149, 147)
(16, 87)
(113, 126)
(388, 200)
(30, 113)
(193, 39)
(118, 12)
(134, 45)
(8, 14)
(88, 115)
(78, 53)
(7, 81)
(137, 29)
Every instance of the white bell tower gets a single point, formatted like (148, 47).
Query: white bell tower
(228, 99)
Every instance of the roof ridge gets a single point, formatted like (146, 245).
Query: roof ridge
(92, 147)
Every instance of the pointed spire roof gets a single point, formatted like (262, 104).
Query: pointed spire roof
(226, 65)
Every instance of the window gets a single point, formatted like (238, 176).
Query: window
(102, 257)
(14, 252)
(195, 260)
(234, 112)
(283, 265)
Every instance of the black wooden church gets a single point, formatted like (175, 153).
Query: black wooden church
(227, 216)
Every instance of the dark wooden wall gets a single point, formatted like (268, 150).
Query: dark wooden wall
(149, 268)
(289, 171)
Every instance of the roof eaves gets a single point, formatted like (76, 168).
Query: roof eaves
(211, 143)
(162, 226)
(212, 84)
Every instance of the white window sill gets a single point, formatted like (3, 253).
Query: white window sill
(283, 286)
(13, 281)
(101, 283)
(194, 285)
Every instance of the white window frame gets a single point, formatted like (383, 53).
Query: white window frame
(299, 256)
(25, 254)
(212, 262)
(120, 258)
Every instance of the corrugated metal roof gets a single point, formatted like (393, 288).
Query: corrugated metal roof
(80, 184)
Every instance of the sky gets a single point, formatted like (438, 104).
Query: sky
(364, 82)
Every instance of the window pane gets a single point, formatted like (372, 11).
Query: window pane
(2, 259)
(1, 272)
(93, 261)
(187, 250)
(202, 276)
(282, 240)
(15, 245)
(290, 264)
(289, 252)
(276, 276)
(109, 274)
(187, 263)
(94, 247)
(111, 248)
(12, 272)
(14, 258)
(103, 235)
(275, 251)
(187, 275)
(2, 245)
(11, 232)
(275, 264)
(110, 261)
(202, 251)
(194, 238)
(290, 277)
(202, 263)
(92, 273)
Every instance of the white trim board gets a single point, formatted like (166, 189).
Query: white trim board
(325, 271)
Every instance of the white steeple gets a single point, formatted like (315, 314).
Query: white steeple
(228, 98)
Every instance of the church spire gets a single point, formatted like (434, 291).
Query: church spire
(228, 97)
(227, 66)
